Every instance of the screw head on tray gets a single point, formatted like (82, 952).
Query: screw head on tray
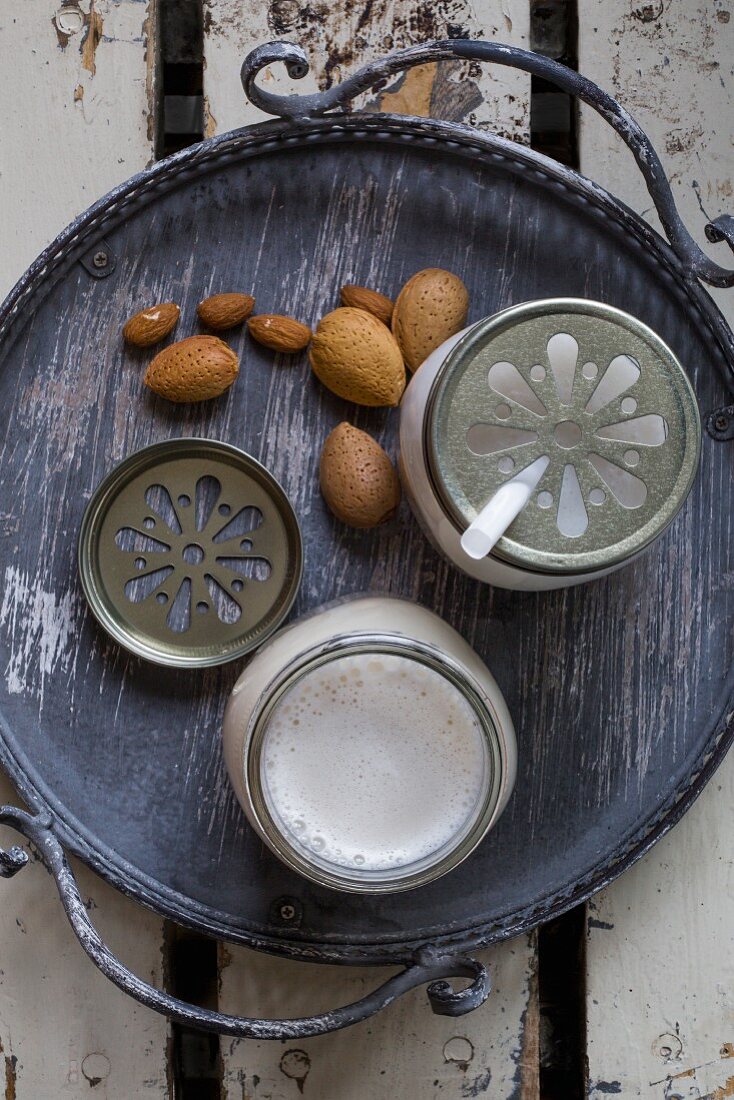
(595, 391)
(190, 553)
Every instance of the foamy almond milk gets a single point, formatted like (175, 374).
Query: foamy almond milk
(357, 751)
(345, 768)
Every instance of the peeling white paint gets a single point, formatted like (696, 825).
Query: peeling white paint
(40, 627)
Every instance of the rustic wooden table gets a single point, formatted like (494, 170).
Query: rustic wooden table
(635, 994)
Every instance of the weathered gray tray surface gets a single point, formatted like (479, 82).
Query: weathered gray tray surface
(620, 690)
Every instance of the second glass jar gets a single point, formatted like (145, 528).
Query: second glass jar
(370, 746)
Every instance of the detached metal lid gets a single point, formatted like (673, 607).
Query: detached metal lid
(601, 396)
(190, 553)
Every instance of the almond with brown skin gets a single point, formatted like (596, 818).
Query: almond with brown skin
(431, 307)
(356, 357)
(195, 369)
(279, 333)
(361, 297)
(223, 311)
(358, 481)
(151, 325)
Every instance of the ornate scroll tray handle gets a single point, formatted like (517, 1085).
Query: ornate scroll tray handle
(429, 964)
(463, 917)
(373, 77)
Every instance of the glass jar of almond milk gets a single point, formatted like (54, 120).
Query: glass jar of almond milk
(370, 746)
(549, 444)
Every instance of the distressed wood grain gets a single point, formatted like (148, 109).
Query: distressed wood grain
(502, 1062)
(78, 120)
(659, 958)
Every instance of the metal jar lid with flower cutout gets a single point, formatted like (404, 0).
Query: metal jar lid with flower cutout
(190, 553)
(596, 393)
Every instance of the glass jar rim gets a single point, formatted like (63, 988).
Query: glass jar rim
(430, 867)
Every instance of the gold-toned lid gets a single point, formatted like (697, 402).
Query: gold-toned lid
(190, 553)
(597, 392)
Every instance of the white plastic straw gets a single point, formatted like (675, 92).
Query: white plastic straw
(505, 506)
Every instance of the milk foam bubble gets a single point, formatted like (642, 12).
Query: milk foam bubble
(373, 761)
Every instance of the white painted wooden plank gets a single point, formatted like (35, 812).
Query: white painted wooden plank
(407, 1051)
(77, 121)
(340, 38)
(672, 66)
(660, 964)
(659, 951)
(77, 118)
(64, 1028)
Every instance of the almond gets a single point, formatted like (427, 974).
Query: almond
(151, 325)
(279, 333)
(358, 481)
(222, 311)
(361, 297)
(431, 307)
(357, 358)
(195, 369)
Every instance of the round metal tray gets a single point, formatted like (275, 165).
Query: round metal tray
(621, 690)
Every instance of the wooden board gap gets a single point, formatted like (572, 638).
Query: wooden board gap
(562, 997)
(554, 113)
(192, 974)
(182, 74)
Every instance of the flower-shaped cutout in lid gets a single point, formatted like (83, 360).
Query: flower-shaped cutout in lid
(190, 553)
(596, 393)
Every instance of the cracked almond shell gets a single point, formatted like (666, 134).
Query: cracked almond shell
(357, 358)
(195, 369)
(431, 307)
(358, 481)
